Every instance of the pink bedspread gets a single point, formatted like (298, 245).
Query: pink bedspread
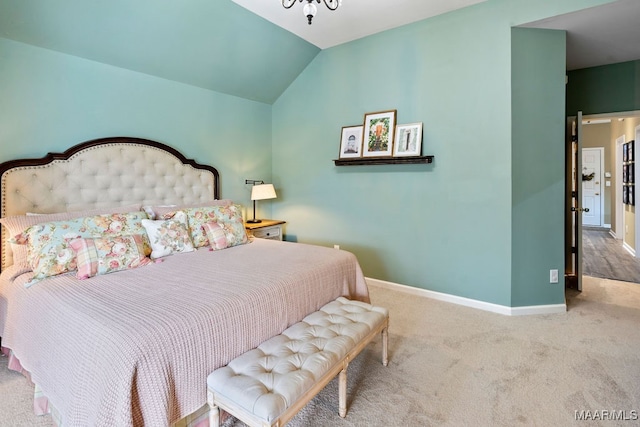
(134, 348)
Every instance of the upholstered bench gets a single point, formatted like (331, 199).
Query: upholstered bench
(268, 385)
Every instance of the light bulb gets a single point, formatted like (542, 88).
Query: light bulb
(310, 11)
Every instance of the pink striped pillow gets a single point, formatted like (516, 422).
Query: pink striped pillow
(105, 255)
(216, 235)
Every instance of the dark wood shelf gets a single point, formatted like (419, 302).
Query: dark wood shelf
(384, 161)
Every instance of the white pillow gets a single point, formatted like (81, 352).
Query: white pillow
(168, 236)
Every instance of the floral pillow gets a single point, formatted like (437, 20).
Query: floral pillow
(159, 211)
(105, 255)
(48, 250)
(228, 217)
(168, 236)
(14, 225)
(216, 235)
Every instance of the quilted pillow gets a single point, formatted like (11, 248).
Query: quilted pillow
(228, 217)
(105, 255)
(216, 235)
(48, 250)
(168, 236)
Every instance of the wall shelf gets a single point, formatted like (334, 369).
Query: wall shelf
(384, 161)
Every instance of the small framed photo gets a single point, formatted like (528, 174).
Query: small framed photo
(625, 174)
(625, 194)
(631, 173)
(632, 195)
(630, 151)
(625, 152)
(378, 135)
(408, 140)
(351, 142)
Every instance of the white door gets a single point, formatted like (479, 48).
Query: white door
(592, 186)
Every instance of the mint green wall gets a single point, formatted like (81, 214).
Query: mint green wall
(447, 227)
(605, 89)
(538, 165)
(51, 101)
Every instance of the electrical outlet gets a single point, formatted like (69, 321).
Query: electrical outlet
(336, 247)
(553, 276)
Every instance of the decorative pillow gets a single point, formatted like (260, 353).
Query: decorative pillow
(16, 224)
(216, 235)
(108, 254)
(48, 250)
(168, 236)
(162, 210)
(228, 217)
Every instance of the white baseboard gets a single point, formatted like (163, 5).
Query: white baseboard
(467, 302)
(629, 248)
(613, 234)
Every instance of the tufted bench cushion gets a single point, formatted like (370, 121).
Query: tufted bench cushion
(268, 385)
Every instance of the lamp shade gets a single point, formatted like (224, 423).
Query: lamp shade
(263, 192)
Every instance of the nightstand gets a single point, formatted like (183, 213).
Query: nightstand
(267, 229)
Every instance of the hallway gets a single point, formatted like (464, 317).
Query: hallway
(604, 257)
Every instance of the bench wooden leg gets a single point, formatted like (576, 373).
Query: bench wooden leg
(385, 346)
(342, 391)
(214, 411)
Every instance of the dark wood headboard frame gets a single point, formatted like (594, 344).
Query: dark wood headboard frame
(24, 166)
(112, 140)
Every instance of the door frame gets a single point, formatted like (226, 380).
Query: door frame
(600, 178)
(619, 230)
(573, 202)
(637, 214)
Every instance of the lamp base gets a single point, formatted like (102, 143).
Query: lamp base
(254, 221)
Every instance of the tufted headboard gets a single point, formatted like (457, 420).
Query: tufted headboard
(101, 173)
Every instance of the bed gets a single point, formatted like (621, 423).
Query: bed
(134, 347)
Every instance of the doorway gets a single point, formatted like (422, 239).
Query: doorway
(609, 248)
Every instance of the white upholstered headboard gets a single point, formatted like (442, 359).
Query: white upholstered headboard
(104, 172)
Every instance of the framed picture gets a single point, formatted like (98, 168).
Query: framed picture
(408, 140)
(625, 174)
(630, 151)
(625, 194)
(378, 134)
(632, 195)
(631, 173)
(351, 142)
(625, 152)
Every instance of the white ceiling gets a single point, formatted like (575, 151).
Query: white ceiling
(354, 19)
(599, 35)
(596, 36)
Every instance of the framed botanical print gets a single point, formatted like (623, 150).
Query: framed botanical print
(378, 135)
(351, 142)
(408, 140)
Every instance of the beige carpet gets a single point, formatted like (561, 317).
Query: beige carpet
(456, 366)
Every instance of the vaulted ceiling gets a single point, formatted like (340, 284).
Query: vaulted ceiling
(213, 44)
(222, 46)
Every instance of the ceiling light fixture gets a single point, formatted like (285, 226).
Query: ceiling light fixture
(310, 9)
